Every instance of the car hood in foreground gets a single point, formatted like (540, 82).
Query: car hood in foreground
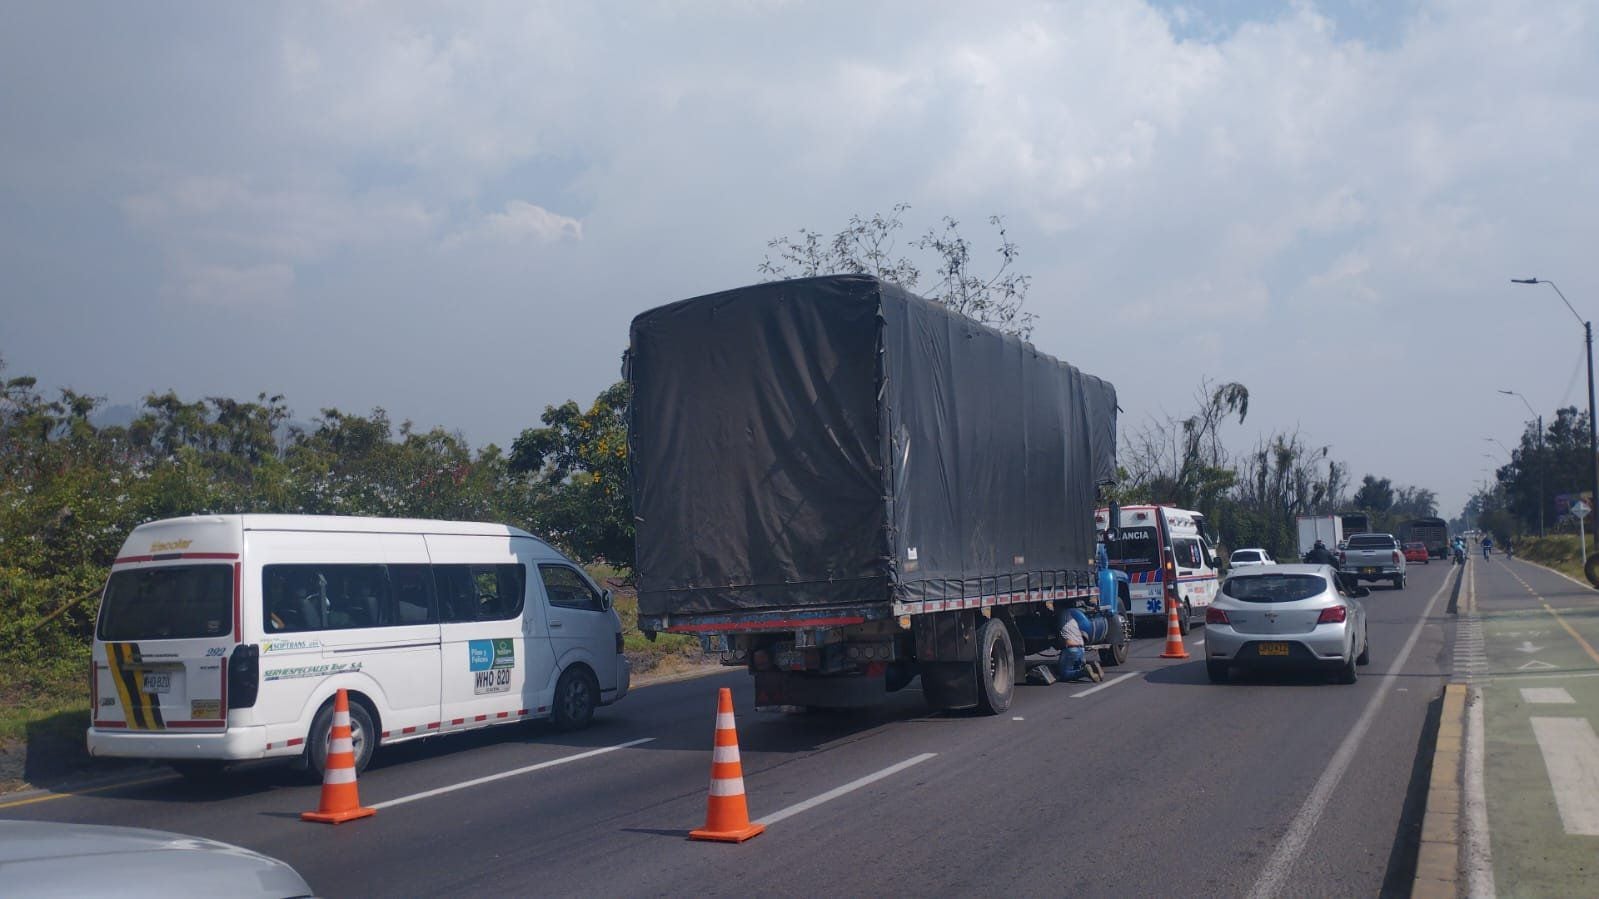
(48, 859)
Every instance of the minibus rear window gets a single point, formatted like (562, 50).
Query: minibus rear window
(173, 602)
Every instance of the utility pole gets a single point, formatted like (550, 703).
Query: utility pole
(1593, 426)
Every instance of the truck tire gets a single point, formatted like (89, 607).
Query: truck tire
(1116, 653)
(994, 668)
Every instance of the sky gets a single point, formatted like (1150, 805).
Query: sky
(452, 211)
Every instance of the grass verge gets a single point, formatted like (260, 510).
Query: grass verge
(1561, 552)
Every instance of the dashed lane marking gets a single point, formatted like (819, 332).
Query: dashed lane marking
(1110, 683)
(1274, 877)
(850, 787)
(478, 781)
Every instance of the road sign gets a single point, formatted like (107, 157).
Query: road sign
(1580, 509)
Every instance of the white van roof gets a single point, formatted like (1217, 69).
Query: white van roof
(344, 524)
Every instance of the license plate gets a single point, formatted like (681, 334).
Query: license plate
(1272, 649)
(158, 682)
(1368, 571)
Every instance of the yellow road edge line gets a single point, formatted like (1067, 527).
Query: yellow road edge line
(65, 794)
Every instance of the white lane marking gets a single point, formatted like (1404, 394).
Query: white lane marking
(1478, 849)
(850, 787)
(1018, 718)
(1571, 753)
(1110, 683)
(477, 781)
(1273, 879)
(1562, 675)
(1548, 695)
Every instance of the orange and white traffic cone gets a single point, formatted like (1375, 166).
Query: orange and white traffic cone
(340, 801)
(1174, 633)
(727, 818)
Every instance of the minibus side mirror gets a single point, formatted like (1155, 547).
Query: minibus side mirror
(606, 600)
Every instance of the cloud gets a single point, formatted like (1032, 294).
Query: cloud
(520, 223)
(1170, 175)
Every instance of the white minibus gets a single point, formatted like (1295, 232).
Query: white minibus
(224, 638)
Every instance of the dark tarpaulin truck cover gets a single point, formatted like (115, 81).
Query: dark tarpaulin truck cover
(837, 440)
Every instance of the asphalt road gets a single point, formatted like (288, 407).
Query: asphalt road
(1157, 783)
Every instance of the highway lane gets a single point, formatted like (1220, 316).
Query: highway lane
(1157, 783)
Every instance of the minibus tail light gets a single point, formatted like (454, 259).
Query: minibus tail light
(244, 676)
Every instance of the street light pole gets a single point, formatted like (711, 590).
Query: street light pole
(1543, 463)
(1593, 426)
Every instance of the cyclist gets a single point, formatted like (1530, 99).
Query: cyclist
(1487, 545)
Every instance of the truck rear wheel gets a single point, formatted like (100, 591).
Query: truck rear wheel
(1185, 618)
(995, 668)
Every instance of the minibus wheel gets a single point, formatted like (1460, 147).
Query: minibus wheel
(576, 695)
(362, 736)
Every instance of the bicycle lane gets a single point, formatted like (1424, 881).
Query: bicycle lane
(1538, 675)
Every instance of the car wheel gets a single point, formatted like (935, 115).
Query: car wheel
(1347, 674)
(362, 737)
(1365, 650)
(996, 681)
(1185, 618)
(576, 695)
(1217, 671)
(1402, 581)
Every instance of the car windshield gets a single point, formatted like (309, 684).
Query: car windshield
(1246, 555)
(1274, 587)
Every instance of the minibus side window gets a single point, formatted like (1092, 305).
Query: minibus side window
(479, 592)
(413, 594)
(567, 589)
(325, 597)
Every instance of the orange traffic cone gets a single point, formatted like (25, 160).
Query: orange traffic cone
(1174, 634)
(727, 818)
(340, 802)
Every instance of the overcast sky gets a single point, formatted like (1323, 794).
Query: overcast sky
(453, 211)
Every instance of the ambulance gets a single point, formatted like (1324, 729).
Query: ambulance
(1166, 555)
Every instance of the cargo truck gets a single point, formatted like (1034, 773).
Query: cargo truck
(1329, 529)
(841, 486)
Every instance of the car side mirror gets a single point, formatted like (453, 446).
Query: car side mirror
(606, 600)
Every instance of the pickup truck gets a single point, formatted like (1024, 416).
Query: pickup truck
(1374, 557)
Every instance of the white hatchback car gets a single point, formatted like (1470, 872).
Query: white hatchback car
(1286, 616)
(1243, 558)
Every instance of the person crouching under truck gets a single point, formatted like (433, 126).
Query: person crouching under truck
(1073, 664)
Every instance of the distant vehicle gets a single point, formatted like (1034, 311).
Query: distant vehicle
(223, 638)
(1165, 553)
(1417, 552)
(1433, 532)
(41, 858)
(1329, 529)
(1374, 557)
(1355, 523)
(1286, 616)
(1244, 558)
